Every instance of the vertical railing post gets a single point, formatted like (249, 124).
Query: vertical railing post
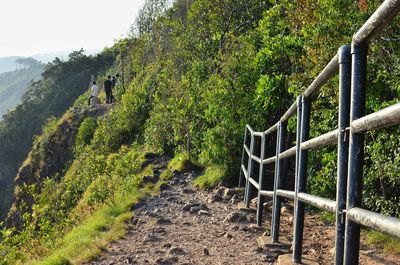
(262, 182)
(356, 151)
(298, 135)
(344, 55)
(301, 181)
(241, 176)
(249, 186)
(276, 215)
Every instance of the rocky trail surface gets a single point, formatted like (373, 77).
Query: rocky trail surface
(187, 226)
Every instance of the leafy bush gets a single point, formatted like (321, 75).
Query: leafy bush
(85, 133)
(212, 176)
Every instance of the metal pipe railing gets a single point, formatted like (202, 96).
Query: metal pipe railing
(342, 149)
(286, 193)
(386, 224)
(379, 19)
(269, 160)
(319, 202)
(349, 136)
(288, 153)
(329, 71)
(384, 118)
(301, 180)
(320, 141)
(276, 216)
(263, 183)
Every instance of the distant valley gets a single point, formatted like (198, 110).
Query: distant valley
(13, 84)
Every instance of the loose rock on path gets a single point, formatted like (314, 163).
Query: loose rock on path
(188, 226)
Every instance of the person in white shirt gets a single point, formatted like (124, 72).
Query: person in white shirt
(95, 92)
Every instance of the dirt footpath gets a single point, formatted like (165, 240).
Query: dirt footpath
(187, 226)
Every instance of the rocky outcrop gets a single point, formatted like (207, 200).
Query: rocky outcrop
(48, 158)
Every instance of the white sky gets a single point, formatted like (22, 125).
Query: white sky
(30, 27)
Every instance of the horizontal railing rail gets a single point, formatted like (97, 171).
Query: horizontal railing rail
(351, 65)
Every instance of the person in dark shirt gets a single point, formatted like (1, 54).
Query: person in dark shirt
(108, 90)
(113, 84)
(113, 81)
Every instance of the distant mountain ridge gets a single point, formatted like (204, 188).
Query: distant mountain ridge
(13, 84)
(8, 64)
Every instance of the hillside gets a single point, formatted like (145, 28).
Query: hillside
(8, 64)
(13, 84)
(61, 83)
(193, 73)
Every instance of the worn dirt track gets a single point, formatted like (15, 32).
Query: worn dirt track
(187, 226)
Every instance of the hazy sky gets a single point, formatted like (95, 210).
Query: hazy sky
(30, 27)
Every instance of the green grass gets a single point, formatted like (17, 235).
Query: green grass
(148, 171)
(211, 177)
(387, 243)
(87, 240)
(166, 174)
(179, 163)
(327, 216)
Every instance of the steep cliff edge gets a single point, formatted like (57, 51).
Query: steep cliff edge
(49, 157)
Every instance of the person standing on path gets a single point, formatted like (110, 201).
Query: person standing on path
(95, 92)
(113, 84)
(113, 81)
(108, 90)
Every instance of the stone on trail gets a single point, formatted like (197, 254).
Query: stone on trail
(203, 212)
(228, 193)
(242, 207)
(270, 257)
(253, 228)
(194, 207)
(150, 238)
(235, 217)
(165, 186)
(167, 245)
(187, 206)
(159, 230)
(206, 251)
(268, 205)
(168, 260)
(176, 251)
(287, 259)
(258, 249)
(214, 198)
(173, 259)
(163, 221)
(159, 260)
(228, 235)
(188, 191)
(219, 191)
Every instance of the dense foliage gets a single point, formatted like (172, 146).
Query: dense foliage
(193, 75)
(210, 67)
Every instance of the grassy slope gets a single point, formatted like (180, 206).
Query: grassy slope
(105, 225)
(87, 240)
